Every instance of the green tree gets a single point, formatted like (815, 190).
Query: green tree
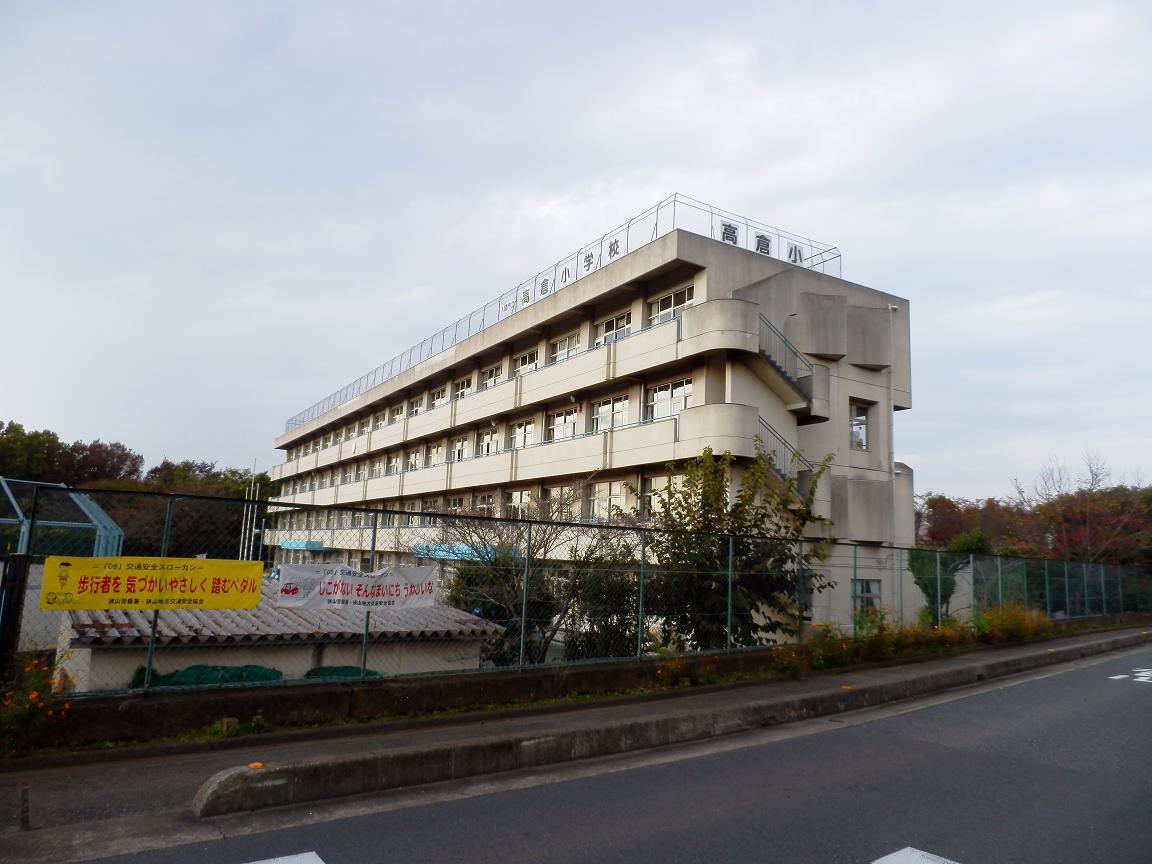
(712, 526)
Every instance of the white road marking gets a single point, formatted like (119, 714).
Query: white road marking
(302, 858)
(1117, 677)
(908, 855)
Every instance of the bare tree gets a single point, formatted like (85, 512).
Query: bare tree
(527, 570)
(1087, 516)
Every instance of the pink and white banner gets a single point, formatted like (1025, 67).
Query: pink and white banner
(337, 586)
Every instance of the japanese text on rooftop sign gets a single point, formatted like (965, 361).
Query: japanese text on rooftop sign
(149, 583)
(336, 586)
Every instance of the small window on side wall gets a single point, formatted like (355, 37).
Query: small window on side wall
(858, 425)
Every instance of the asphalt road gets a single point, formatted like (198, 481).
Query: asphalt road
(1055, 768)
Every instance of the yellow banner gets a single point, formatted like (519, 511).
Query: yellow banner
(149, 583)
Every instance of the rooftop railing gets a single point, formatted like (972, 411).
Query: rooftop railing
(676, 212)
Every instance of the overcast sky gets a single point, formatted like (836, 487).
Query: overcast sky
(213, 214)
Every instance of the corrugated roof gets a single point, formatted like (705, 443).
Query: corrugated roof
(270, 623)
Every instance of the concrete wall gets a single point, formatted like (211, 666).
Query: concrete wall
(112, 667)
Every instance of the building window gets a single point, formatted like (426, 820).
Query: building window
(455, 503)
(525, 363)
(428, 508)
(410, 508)
(858, 425)
(350, 432)
(437, 397)
(327, 442)
(485, 504)
(415, 460)
(395, 414)
(392, 466)
(669, 306)
(364, 426)
(347, 474)
(522, 434)
(518, 504)
(667, 400)
(865, 594)
(377, 468)
(435, 454)
(564, 347)
(415, 406)
(459, 449)
(357, 520)
(607, 497)
(614, 328)
(331, 519)
(608, 414)
(333, 477)
(462, 388)
(491, 376)
(380, 420)
(559, 502)
(361, 469)
(488, 442)
(311, 482)
(561, 425)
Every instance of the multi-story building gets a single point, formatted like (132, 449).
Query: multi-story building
(687, 328)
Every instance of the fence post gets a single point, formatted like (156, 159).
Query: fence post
(852, 588)
(372, 556)
(364, 645)
(1047, 594)
(972, 578)
(939, 606)
(524, 596)
(900, 581)
(999, 581)
(1084, 579)
(731, 543)
(165, 541)
(1067, 595)
(640, 603)
(1103, 592)
(27, 532)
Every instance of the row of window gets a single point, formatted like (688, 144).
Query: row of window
(568, 345)
(599, 501)
(661, 401)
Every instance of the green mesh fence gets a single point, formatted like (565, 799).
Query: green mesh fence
(513, 592)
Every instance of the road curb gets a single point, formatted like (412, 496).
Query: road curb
(243, 789)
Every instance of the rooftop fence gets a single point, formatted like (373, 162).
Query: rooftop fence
(676, 212)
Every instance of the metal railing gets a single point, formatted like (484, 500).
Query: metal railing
(786, 357)
(676, 212)
(513, 592)
(786, 459)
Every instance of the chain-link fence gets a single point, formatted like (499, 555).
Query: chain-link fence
(512, 592)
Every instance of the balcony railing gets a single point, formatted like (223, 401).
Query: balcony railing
(786, 459)
(785, 357)
(677, 212)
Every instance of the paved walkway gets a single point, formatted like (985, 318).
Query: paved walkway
(139, 783)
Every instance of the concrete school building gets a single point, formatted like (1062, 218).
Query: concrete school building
(687, 327)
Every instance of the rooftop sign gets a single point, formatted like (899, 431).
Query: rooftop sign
(674, 213)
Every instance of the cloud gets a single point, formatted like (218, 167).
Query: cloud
(216, 215)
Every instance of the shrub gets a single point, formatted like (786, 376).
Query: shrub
(29, 704)
(1012, 622)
